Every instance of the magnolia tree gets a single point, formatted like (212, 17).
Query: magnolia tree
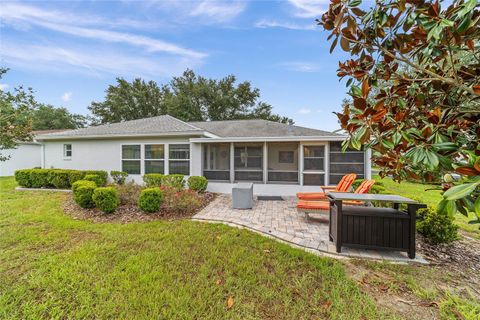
(414, 79)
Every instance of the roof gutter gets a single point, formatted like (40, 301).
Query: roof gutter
(126, 135)
(270, 139)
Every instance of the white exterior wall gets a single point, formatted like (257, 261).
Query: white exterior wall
(25, 156)
(104, 154)
(196, 160)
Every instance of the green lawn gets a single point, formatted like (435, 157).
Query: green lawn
(55, 267)
(431, 197)
(52, 266)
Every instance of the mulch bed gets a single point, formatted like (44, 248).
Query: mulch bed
(129, 213)
(461, 256)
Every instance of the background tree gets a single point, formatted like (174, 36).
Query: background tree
(47, 117)
(423, 118)
(129, 101)
(15, 122)
(188, 97)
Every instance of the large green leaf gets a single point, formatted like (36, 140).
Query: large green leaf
(431, 159)
(460, 191)
(451, 207)
(477, 206)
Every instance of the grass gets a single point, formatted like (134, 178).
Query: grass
(431, 198)
(52, 266)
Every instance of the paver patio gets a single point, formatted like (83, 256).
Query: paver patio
(280, 219)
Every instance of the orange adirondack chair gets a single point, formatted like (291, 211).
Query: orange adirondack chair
(323, 206)
(343, 186)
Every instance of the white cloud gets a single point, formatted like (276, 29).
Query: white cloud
(309, 8)
(67, 96)
(55, 20)
(265, 23)
(4, 86)
(300, 66)
(220, 11)
(150, 44)
(13, 12)
(304, 111)
(205, 12)
(88, 61)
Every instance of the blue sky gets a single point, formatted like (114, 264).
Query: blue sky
(69, 52)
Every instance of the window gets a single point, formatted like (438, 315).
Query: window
(154, 158)
(179, 159)
(67, 150)
(131, 159)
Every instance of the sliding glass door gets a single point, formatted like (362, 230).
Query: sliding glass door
(248, 161)
(216, 161)
(283, 162)
(313, 165)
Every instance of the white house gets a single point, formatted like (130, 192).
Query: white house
(280, 159)
(26, 155)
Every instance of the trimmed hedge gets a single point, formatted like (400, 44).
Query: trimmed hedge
(55, 178)
(197, 183)
(32, 178)
(101, 173)
(153, 179)
(75, 176)
(95, 178)
(60, 179)
(106, 199)
(83, 192)
(174, 180)
(150, 199)
(118, 177)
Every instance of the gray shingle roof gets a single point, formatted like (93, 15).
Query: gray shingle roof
(258, 128)
(156, 126)
(164, 125)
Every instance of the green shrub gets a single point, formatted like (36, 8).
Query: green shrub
(55, 178)
(197, 183)
(106, 199)
(75, 175)
(32, 178)
(153, 179)
(101, 173)
(150, 199)
(59, 178)
(38, 178)
(23, 178)
(118, 177)
(174, 180)
(95, 178)
(436, 227)
(83, 193)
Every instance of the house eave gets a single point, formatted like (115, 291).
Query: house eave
(120, 136)
(269, 139)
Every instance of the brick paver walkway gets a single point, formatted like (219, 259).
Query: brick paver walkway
(280, 219)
